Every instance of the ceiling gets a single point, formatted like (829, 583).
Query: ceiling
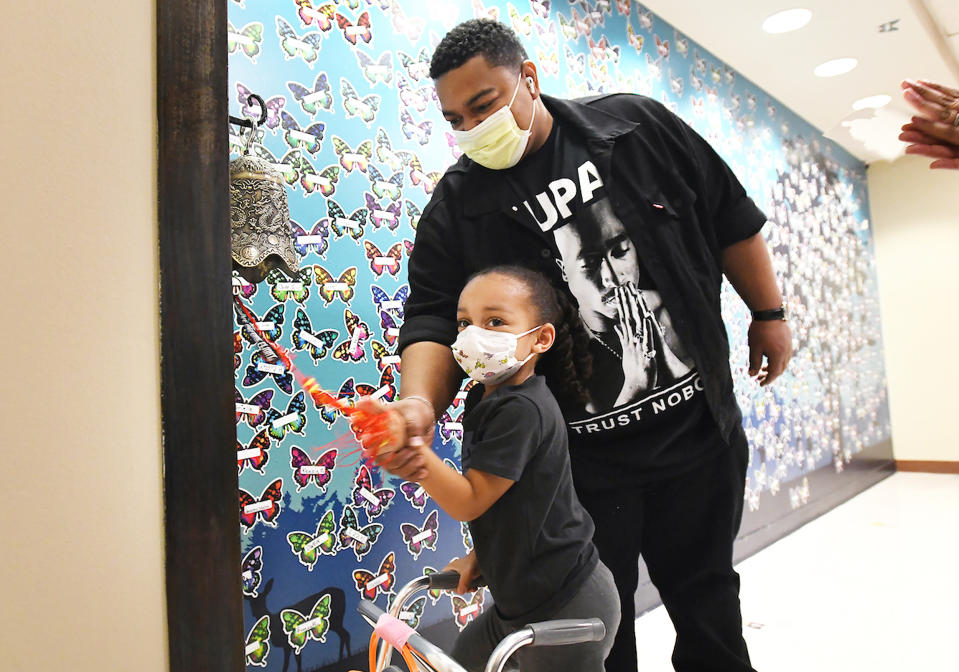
(892, 39)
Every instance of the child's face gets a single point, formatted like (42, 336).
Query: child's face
(502, 303)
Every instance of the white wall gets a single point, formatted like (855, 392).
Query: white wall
(915, 211)
(82, 527)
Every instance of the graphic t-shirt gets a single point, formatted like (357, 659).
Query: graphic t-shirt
(648, 413)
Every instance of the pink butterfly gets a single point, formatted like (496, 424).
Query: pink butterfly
(380, 216)
(363, 494)
(305, 470)
(417, 538)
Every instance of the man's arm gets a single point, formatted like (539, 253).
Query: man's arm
(750, 271)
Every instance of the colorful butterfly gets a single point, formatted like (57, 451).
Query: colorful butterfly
(549, 61)
(237, 349)
(350, 159)
(545, 34)
(645, 19)
(384, 261)
(306, 46)
(315, 240)
(522, 23)
(379, 70)
(317, 344)
(602, 50)
(414, 494)
(352, 350)
(466, 611)
(305, 470)
(364, 496)
(250, 569)
(266, 508)
(254, 455)
(417, 538)
(662, 46)
(310, 138)
(420, 132)
(568, 28)
(351, 536)
(480, 11)
(391, 328)
(294, 420)
(635, 40)
(308, 547)
(258, 642)
(324, 180)
(258, 369)
(252, 108)
(450, 428)
(386, 389)
(321, 16)
(253, 411)
(361, 30)
(247, 39)
(412, 612)
(347, 393)
(428, 180)
(351, 225)
(394, 304)
(311, 100)
(300, 629)
(243, 288)
(365, 108)
(391, 187)
(386, 154)
(623, 7)
(461, 395)
(384, 357)
(413, 212)
(282, 289)
(390, 216)
(452, 144)
(575, 62)
(541, 8)
(370, 584)
(416, 97)
(417, 68)
(329, 288)
(411, 27)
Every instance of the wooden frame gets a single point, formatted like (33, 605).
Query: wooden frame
(204, 603)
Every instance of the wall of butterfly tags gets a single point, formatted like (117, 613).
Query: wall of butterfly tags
(354, 126)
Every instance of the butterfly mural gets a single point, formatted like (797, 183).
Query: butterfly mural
(301, 628)
(265, 509)
(330, 288)
(352, 349)
(316, 344)
(308, 547)
(254, 455)
(415, 495)
(306, 47)
(315, 98)
(251, 571)
(246, 40)
(419, 538)
(365, 496)
(359, 539)
(371, 584)
(306, 471)
(316, 240)
(253, 411)
(258, 642)
(293, 420)
(465, 612)
(259, 369)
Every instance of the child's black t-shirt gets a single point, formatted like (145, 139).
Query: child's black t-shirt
(534, 545)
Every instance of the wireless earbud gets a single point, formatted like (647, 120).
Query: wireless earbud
(530, 85)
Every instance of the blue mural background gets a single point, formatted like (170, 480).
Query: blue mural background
(354, 126)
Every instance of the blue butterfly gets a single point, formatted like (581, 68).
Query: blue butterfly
(315, 240)
(259, 369)
(316, 344)
(394, 304)
(293, 420)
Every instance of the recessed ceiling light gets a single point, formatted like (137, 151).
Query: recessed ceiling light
(840, 66)
(783, 22)
(874, 102)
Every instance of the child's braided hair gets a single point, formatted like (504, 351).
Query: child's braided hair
(567, 365)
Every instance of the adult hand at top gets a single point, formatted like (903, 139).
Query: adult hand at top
(935, 131)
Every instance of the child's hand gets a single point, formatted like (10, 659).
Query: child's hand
(468, 569)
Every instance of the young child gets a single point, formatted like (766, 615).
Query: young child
(532, 539)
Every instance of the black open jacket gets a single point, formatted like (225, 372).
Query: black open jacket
(676, 197)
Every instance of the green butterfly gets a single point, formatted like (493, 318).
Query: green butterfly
(299, 629)
(258, 642)
(309, 547)
(247, 39)
(282, 289)
(434, 593)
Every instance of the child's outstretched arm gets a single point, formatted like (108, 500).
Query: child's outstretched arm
(466, 496)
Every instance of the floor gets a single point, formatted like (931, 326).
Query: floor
(871, 585)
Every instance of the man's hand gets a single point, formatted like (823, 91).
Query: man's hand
(411, 431)
(468, 569)
(771, 339)
(934, 133)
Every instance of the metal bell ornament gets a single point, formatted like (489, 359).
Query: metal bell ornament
(260, 228)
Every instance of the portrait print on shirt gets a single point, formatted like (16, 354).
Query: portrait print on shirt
(641, 369)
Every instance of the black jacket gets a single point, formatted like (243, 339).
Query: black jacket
(677, 198)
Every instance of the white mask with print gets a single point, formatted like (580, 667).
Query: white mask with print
(487, 356)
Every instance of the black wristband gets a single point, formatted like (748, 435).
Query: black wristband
(767, 315)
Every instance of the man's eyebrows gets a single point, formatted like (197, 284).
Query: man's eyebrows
(477, 96)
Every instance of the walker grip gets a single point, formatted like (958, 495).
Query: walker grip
(567, 631)
(449, 579)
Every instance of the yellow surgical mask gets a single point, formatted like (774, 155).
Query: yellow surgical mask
(497, 142)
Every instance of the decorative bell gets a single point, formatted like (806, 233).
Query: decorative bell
(262, 235)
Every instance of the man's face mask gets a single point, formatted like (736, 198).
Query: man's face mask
(497, 142)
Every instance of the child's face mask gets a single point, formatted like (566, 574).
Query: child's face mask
(488, 357)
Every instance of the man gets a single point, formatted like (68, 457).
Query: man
(634, 214)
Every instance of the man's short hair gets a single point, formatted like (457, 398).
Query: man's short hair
(494, 40)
